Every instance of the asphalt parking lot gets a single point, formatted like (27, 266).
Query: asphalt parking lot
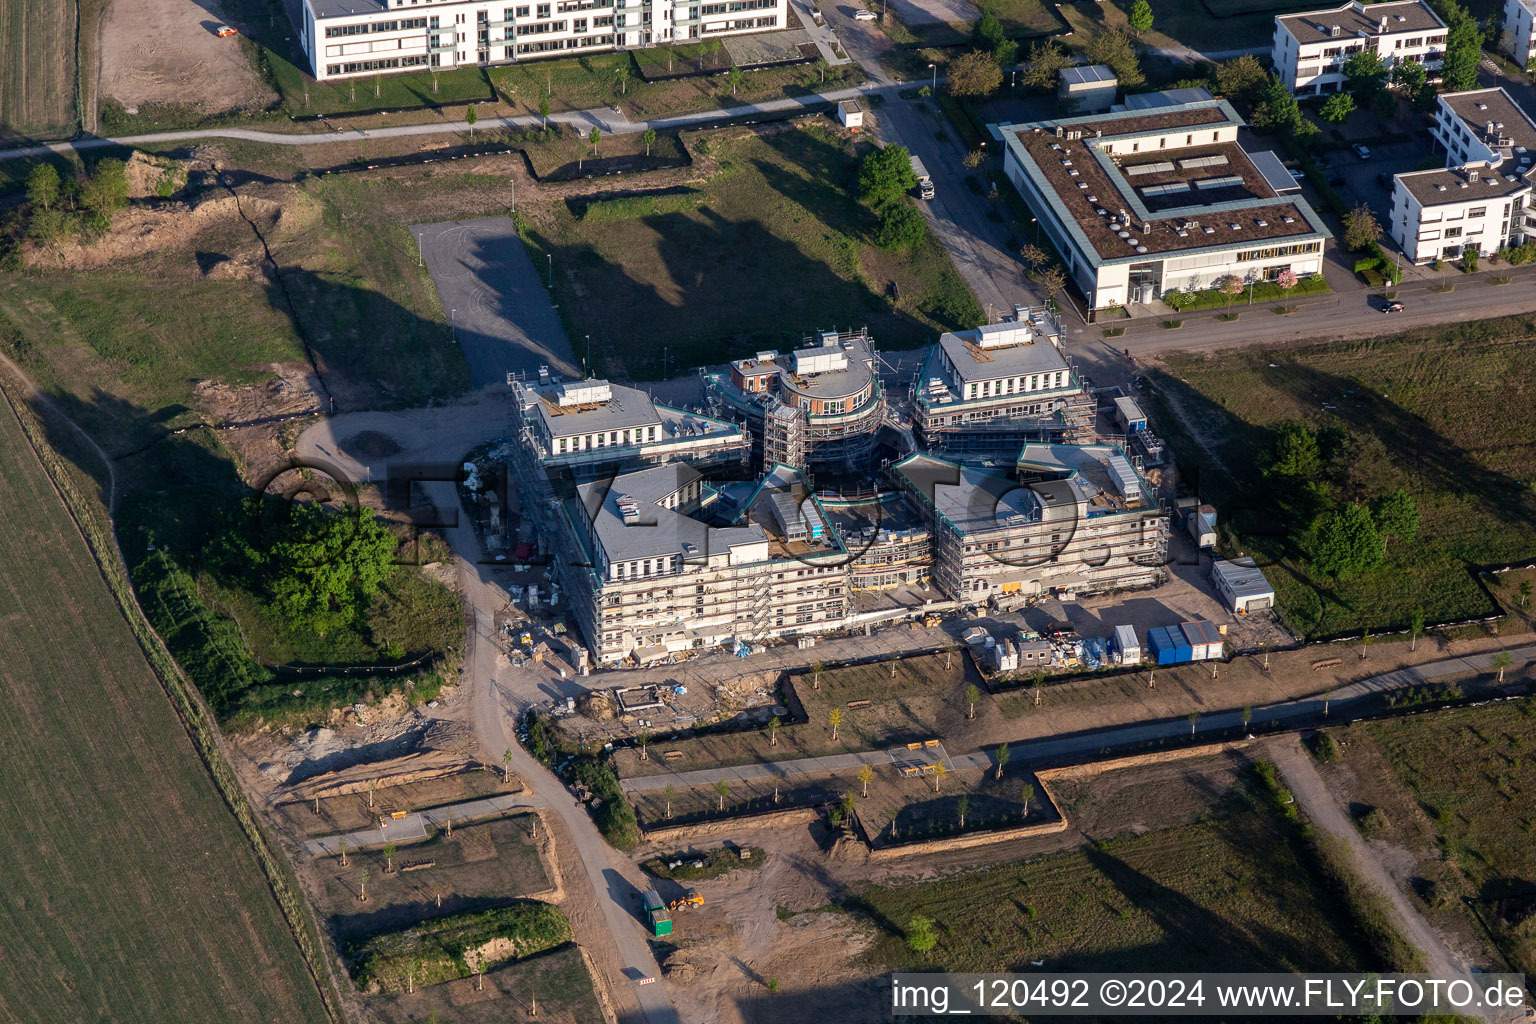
(495, 299)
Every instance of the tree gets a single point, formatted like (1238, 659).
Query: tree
(1247, 716)
(1042, 64)
(1415, 627)
(866, 774)
(649, 138)
(1338, 108)
(595, 136)
(773, 731)
(885, 176)
(1141, 17)
(1293, 454)
(1463, 46)
(939, 771)
(1002, 758)
(1501, 661)
(1027, 795)
(341, 846)
(1365, 74)
(974, 74)
(734, 77)
(321, 569)
(389, 857)
(1052, 280)
(972, 696)
(1384, 105)
(1241, 78)
(621, 75)
(43, 187)
(105, 191)
(506, 765)
(987, 32)
(644, 739)
(1193, 717)
(835, 719)
(901, 227)
(723, 790)
(1033, 257)
(1410, 74)
(1276, 110)
(669, 794)
(1347, 542)
(1286, 280)
(1117, 48)
(50, 227)
(920, 937)
(362, 894)
(1397, 516)
(962, 806)
(471, 118)
(1360, 228)
(1525, 593)
(1231, 286)
(544, 113)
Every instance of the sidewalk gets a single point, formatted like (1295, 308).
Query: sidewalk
(413, 827)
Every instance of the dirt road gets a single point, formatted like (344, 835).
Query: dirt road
(1317, 801)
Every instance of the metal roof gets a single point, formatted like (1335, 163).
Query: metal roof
(1275, 172)
(1242, 580)
(1166, 98)
(1089, 74)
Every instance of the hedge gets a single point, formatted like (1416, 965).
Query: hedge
(436, 951)
(1263, 291)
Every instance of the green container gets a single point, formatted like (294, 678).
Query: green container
(656, 911)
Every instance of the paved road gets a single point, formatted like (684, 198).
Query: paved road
(497, 304)
(1047, 752)
(1320, 805)
(413, 826)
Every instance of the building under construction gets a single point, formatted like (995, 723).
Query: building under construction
(888, 545)
(817, 406)
(989, 390)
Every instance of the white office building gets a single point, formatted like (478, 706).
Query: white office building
(346, 38)
(1519, 36)
(1144, 202)
(1479, 199)
(1311, 48)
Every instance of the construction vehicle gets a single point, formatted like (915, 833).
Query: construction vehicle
(656, 914)
(924, 181)
(692, 899)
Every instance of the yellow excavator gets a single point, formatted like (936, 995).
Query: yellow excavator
(692, 899)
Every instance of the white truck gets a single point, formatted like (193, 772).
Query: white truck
(924, 182)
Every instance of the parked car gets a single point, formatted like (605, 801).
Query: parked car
(1363, 152)
(864, 16)
(225, 30)
(1393, 307)
(1298, 175)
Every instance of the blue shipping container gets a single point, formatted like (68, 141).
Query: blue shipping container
(1168, 646)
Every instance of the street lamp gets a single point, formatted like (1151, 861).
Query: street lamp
(588, 364)
(935, 69)
(453, 325)
(551, 271)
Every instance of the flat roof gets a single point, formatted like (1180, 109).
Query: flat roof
(625, 408)
(1513, 135)
(1276, 174)
(1091, 467)
(343, 8)
(1168, 97)
(1230, 213)
(1446, 186)
(971, 499)
(1242, 580)
(1354, 18)
(1089, 74)
(659, 531)
(1032, 353)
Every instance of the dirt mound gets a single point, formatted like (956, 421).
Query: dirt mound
(596, 706)
(680, 965)
(421, 766)
(154, 175)
(142, 230)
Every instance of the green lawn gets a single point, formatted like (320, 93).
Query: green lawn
(1420, 413)
(1234, 891)
(777, 248)
(133, 871)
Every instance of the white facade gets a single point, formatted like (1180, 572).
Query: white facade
(1090, 182)
(344, 39)
(1310, 49)
(1479, 200)
(1519, 29)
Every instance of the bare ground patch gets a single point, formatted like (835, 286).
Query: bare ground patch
(165, 51)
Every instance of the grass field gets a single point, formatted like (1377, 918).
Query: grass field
(1419, 414)
(37, 69)
(778, 248)
(1199, 24)
(133, 872)
(1232, 891)
(1470, 781)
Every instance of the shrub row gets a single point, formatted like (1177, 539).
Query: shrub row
(1263, 291)
(436, 951)
(606, 211)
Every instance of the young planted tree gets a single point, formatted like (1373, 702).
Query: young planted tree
(972, 698)
(362, 893)
(668, 795)
(389, 858)
(1052, 280)
(1247, 716)
(773, 731)
(1415, 627)
(621, 75)
(506, 765)
(1140, 17)
(649, 138)
(939, 771)
(817, 668)
(341, 845)
(865, 776)
(595, 138)
(1231, 286)
(643, 737)
(471, 118)
(1286, 280)
(544, 113)
(962, 806)
(1193, 717)
(1002, 758)
(1039, 685)
(1501, 661)
(835, 719)
(723, 790)
(1027, 795)
(1524, 591)
(734, 77)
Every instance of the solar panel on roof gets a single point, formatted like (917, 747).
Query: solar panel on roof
(1189, 163)
(1161, 167)
(1225, 181)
